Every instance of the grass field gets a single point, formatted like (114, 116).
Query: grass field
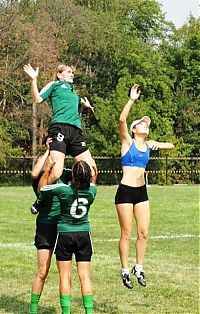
(171, 264)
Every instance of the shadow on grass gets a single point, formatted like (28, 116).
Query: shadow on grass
(99, 307)
(12, 305)
(114, 309)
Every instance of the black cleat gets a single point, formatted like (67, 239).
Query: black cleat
(35, 207)
(127, 281)
(141, 278)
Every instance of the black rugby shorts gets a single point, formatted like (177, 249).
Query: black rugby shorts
(77, 243)
(132, 195)
(45, 237)
(67, 139)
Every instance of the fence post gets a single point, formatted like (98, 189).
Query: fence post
(24, 171)
(191, 169)
(166, 165)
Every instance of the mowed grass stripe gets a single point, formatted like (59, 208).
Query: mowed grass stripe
(161, 237)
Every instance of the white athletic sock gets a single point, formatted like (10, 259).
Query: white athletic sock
(138, 269)
(124, 271)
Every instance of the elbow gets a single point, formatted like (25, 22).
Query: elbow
(37, 100)
(33, 176)
(122, 119)
(170, 146)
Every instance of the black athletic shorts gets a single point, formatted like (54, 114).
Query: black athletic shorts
(77, 243)
(45, 237)
(132, 195)
(67, 139)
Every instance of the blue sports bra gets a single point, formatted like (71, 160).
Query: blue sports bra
(135, 157)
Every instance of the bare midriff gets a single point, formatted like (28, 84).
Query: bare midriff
(133, 176)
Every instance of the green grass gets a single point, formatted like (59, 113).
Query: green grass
(171, 263)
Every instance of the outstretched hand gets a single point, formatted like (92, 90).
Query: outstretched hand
(33, 74)
(135, 92)
(87, 104)
(48, 142)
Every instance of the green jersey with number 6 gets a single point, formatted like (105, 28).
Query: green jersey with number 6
(73, 216)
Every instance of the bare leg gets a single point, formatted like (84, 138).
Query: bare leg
(57, 169)
(84, 273)
(86, 156)
(125, 215)
(86, 286)
(142, 217)
(44, 262)
(64, 268)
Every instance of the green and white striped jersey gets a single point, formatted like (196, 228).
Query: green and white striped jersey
(65, 103)
(73, 216)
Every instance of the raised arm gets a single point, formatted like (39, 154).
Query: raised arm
(44, 178)
(33, 74)
(40, 164)
(37, 169)
(123, 129)
(153, 145)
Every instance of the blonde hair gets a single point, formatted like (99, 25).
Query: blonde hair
(60, 68)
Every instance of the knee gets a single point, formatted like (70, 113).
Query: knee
(57, 171)
(126, 235)
(65, 279)
(143, 235)
(84, 277)
(93, 163)
(94, 170)
(55, 174)
(42, 274)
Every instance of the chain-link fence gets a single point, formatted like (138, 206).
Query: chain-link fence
(160, 170)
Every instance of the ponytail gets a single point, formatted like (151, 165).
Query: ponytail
(81, 174)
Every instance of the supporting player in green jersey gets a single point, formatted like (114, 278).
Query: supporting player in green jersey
(74, 232)
(46, 229)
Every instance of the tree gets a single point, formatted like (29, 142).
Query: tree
(183, 56)
(113, 44)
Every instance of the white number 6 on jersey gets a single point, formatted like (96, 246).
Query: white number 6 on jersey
(82, 209)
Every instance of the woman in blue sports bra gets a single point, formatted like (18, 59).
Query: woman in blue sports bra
(131, 198)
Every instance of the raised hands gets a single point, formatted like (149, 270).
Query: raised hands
(135, 92)
(33, 74)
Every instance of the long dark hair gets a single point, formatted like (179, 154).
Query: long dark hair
(81, 174)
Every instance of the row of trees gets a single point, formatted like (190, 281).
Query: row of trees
(113, 45)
